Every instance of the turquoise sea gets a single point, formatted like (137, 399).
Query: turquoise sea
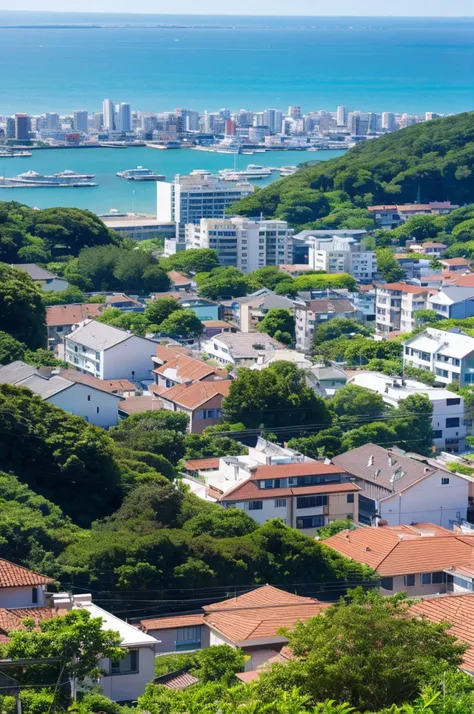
(159, 62)
(130, 196)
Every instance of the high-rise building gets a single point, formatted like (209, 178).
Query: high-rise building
(22, 127)
(341, 116)
(123, 118)
(10, 128)
(245, 118)
(372, 123)
(108, 110)
(294, 112)
(187, 199)
(229, 127)
(97, 121)
(52, 121)
(243, 243)
(429, 116)
(259, 119)
(81, 121)
(353, 123)
(388, 121)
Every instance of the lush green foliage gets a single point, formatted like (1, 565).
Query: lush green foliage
(391, 271)
(224, 283)
(22, 312)
(182, 323)
(194, 260)
(280, 324)
(337, 327)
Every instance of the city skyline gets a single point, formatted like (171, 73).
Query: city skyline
(304, 8)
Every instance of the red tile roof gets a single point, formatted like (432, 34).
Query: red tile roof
(454, 261)
(188, 369)
(178, 681)
(165, 352)
(196, 394)
(106, 385)
(137, 405)
(265, 596)
(14, 576)
(403, 287)
(170, 623)
(300, 469)
(120, 297)
(63, 315)
(201, 464)
(248, 490)
(178, 278)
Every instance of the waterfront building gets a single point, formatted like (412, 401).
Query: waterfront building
(294, 112)
(108, 111)
(123, 118)
(229, 127)
(273, 118)
(342, 254)
(341, 116)
(187, 199)
(10, 128)
(22, 127)
(81, 121)
(243, 243)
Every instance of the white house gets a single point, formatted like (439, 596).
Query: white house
(44, 278)
(396, 305)
(20, 587)
(240, 349)
(447, 354)
(449, 429)
(109, 353)
(97, 406)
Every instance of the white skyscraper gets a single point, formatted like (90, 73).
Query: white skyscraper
(108, 110)
(81, 121)
(388, 121)
(52, 122)
(341, 116)
(123, 121)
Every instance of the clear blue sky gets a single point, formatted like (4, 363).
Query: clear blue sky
(432, 8)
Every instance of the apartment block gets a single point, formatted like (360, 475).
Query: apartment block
(342, 254)
(448, 355)
(396, 305)
(316, 312)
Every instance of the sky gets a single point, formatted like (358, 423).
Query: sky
(427, 8)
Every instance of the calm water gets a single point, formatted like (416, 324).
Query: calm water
(377, 64)
(114, 192)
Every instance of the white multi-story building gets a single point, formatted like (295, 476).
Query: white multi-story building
(341, 116)
(81, 121)
(449, 428)
(109, 353)
(388, 121)
(187, 199)
(108, 113)
(396, 305)
(342, 254)
(312, 313)
(448, 355)
(241, 242)
(123, 118)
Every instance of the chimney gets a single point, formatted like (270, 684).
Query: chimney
(82, 600)
(371, 460)
(391, 460)
(377, 473)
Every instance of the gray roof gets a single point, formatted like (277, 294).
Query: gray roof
(34, 271)
(99, 336)
(331, 371)
(46, 388)
(242, 344)
(16, 372)
(304, 235)
(456, 294)
(386, 468)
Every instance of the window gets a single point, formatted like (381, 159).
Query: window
(253, 505)
(34, 596)
(386, 583)
(452, 422)
(350, 498)
(409, 581)
(311, 501)
(445, 481)
(310, 522)
(433, 578)
(88, 397)
(127, 665)
(280, 503)
(97, 410)
(437, 434)
(452, 402)
(97, 356)
(188, 638)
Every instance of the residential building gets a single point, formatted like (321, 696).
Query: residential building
(326, 379)
(455, 265)
(414, 266)
(284, 355)
(453, 302)
(123, 302)
(201, 401)
(21, 588)
(241, 242)
(315, 312)
(216, 327)
(81, 121)
(417, 559)
(125, 680)
(179, 281)
(430, 248)
(109, 353)
(305, 496)
(44, 278)
(60, 319)
(448, 421)
(364, 301)
(140, 228)
(239, 349)
(402, 489)
(342, 254)
(249, 311)
(447, 354)
(391, 216)
(203, 308)
(122, 387)
(250, 621)
(396, 305)
(388, 121)
(96, 405)
(181, 369)
(187, 199)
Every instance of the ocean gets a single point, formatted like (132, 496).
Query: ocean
(161, 62)
(128, 196)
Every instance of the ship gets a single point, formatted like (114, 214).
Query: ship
(34, 179)
(288, 170)
(253, 171)
(140, 174)
(5, 154)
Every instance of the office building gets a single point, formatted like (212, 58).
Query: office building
(273, 118)
(388, 121)
(97, 121)
(294, 112)
(52, 122)
(22, 127)
(81, 121)
(187, 199)
(342, 254)
(341, 116)
(10, 128)
(243, 243)
(229, 127)
(108, 111)
(123, 118)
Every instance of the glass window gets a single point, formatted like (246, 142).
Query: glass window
(280, 503)
(34, 596)
(253, 505)
(445, 481)
(188, 634)
(437, 577)
(409, 581)
(452, 422)
(453, 402)
(311, 501)
(310, 522)
(437, 434)
(426, 578)
(387, 583)
(127, 665)
(350, 498)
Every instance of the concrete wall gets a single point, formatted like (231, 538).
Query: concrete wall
(167, 639)
(99, 408)
(130, 359)
(21, 597)
(417, 590)
(127, 687)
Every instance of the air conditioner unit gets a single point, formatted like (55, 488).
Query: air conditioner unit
(325, 510)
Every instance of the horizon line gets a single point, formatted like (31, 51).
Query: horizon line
(207, 14)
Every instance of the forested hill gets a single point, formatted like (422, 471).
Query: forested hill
(433, 160)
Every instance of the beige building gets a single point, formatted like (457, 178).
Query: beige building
(396, 305)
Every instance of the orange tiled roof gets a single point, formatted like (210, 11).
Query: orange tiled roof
(201, 464)
(106, 385)
(462, 281)
(403, 287)
(170, 623)
(458, 610)
(300, 469)
(398, 550)
(14, 576)
(265, 596)
(196, 394)
(249, 490)
(12, 619)
(178, 278)
(454, 261)
(165, 352)
(187, 368)
(61, 315)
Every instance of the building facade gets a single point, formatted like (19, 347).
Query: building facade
(448, 355)
(342, 254)
(396, 305)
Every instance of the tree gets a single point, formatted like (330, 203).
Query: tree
(279, 322)
(22, 312)
(193, 260)
(378, 432)
(326, 442)
(383, 656)
(203, 446)
(220, 663)
(182, 323)
(157, 311)
(10, 349)
(354, 405)
(337, 327)
(426, 317)
(159, 432)
(421, 375)
(335, 527)
(71, 294)
(275, 396)
(223, 523)
(78, 639)
(136, 322)
(72, 228)
(391, 271)
(223, 283)
(414, 424)
(269, 276)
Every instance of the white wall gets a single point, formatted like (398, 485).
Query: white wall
(164, 192)
(127, 687)
(84, 401)
(21, 597)
(428, 502)
(130, 359)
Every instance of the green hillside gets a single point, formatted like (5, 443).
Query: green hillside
(433, 161)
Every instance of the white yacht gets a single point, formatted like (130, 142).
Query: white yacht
(253, 171)
(61, 179)
(140, 174)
